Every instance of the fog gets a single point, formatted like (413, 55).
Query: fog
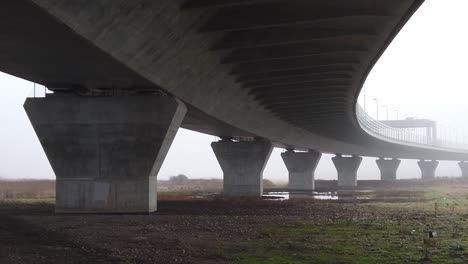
(422, 74)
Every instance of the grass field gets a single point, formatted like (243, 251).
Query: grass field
(375, 231)
(368, 233)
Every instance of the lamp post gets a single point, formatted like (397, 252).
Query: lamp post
(397, 114)
(377, 107)
(386, 108)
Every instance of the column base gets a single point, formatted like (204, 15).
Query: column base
(464, 168)
(106, 152)
(106, 196)
(242, 164)
(388, 168)
(301, 167)
(301, 181)
(428, 169)
(347, 168)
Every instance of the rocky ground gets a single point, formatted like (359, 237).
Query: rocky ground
(388, 227)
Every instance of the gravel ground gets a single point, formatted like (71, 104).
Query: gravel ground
(188, 231)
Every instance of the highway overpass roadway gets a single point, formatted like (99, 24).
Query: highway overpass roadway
(127, 74)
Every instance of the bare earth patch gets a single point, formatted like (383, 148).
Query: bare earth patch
(391, 227)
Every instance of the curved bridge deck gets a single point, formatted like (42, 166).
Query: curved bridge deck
(287, 71)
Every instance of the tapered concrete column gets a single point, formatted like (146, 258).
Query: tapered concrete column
(301, 167)
(464, 168)
(105, 151)
(388, 168)
(428, 169)
(347, 168)
(242, 164)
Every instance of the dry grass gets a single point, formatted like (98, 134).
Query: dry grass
(30, 189)
(27, 189)
(43, 189)
(190, 186)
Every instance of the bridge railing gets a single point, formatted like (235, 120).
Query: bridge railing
(403, 135)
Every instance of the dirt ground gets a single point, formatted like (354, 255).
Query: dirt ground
(180, 232)
(215, 230)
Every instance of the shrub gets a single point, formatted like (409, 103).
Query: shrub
(179, 179)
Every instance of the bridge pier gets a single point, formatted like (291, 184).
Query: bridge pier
(347, 168)
(106, 152)
(464, 168)
(242, 164)
(428, 169)
(301, 167)
(388, 168)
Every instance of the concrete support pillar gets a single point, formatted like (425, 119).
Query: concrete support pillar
(347, 168)
(106, 152)
(464, 168)
(301, 167)
(242, 164)
(388, 168)
(428, 169)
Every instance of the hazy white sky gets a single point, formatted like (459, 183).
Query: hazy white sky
(421, 74)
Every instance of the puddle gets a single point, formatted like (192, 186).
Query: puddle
(204, 196)
(325, 195)
(338, 195)
(282, 196)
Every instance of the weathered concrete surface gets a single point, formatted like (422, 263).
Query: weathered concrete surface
(290, 77)
(301, 167)
(388, 168)
(347, 168)
(175, 48)
(464, 168)
(242, 164)
(106, 152)
(428, 169)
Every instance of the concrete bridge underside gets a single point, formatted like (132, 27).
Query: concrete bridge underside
(127, 74)
(287, 71)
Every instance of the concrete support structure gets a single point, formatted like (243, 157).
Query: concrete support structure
(388, 168)
(242, 164)
(428, 169)
(301, 167)
(347, 168)
(106, 152)
(464, 168)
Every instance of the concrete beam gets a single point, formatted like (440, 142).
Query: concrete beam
(293, 88)
(289, 51)
(328, 90)
(216, 3)
(242, 164)
(388, 168)
(267, 37)
(228, 19)
(464, 168)
(301, 167)
(296, 63)
(347, 168)
(428, 169)
(286, 81)
(106, 152)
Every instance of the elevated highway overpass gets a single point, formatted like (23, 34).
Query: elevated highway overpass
(127, 74)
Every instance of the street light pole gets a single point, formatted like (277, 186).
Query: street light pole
(397, 114)
(386, 108)
(377, 107)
